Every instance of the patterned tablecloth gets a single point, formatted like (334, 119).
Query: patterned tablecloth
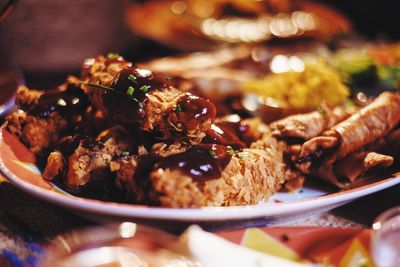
(27, 224)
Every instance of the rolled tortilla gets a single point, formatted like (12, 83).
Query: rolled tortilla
(348, 169)
(308, 125)
(364, 127)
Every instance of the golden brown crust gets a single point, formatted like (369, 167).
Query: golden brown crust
(347, 170)
(54, 166)
(26, 97)
(38, 134)
(16, 122)
(91, 162)
(125, 177)
(309, 125)
(294, 180)
(372, 122)
(250, 177)
(159, 113)
(364, 127)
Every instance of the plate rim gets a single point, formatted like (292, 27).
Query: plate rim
(205, 214)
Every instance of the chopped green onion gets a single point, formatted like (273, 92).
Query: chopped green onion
(132, 78)
(98, 86)
(230, 151)
(130, 91)
(144, 88)
(168, 79)
(178, 108)
(212, 153)
(140, 105)
(125, 153)
(243, 154)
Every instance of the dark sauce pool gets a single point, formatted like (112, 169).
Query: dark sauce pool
(70, 102)
(229, 134)
(202, 162)
(129, 96)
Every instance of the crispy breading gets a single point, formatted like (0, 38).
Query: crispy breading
(37, 133)
(54, 166)
(125, 173)
(309, 125)
(365, 127)
(91, 160)
(158, 111)
(26, 97)
(16, 122)
(251, 176)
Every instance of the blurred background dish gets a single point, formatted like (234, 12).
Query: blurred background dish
(196, 24)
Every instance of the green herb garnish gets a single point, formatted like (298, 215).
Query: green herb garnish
(112, 56)
(144, 88)
(132, 78)
(321, 110)
(99, 86)
(230, 151)
(178, 108)
(140, 105)
(125, 153)
(168, 79)
(212, 153)
(130, 91)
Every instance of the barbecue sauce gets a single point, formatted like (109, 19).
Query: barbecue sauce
(202, 162)
(227, 133)
(70, 102)
(197, 110)
(127, 104)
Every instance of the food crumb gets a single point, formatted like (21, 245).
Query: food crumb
(285, 237)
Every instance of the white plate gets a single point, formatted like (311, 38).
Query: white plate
(17, 164)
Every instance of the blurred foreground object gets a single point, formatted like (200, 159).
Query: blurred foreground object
(386, 238)
(126, 244)
(132, 245)
(196, 24)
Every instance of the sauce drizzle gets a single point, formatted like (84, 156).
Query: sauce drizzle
(202, 162)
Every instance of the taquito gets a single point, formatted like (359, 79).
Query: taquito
(366, 126)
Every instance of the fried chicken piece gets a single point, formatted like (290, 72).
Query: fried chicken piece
(136, 96)
(125, 169)
(26, 97)
(165, 150)
(16, 122)
(90, 162)
(47, 116)
(250, 176)
(37, 133)
(54, 166)
(293, 179)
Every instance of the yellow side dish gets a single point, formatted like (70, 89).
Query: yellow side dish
(304, 90)
(258, 240)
